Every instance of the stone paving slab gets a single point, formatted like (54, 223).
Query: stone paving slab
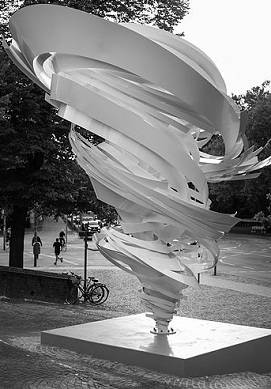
(20, 369)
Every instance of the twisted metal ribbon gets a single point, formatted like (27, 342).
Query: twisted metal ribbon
(156, 99)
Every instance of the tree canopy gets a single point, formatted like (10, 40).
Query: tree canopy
(165, 14)
(250, 196)
(37, 167)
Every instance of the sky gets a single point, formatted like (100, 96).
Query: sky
(236, 35)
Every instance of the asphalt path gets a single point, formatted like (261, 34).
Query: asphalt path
(242, 255)
(73, 256)
(246, 255)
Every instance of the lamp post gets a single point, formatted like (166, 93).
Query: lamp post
(66, 231)
(35, 222)
(4, 229)
(85, 263)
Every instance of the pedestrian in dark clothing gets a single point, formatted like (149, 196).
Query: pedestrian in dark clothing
(36, 244)
(36, 252)
(62, 240)
(8, 235)
(62, 234)
(35, 239)
(57, 247)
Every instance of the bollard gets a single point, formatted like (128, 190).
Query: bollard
(85, 265)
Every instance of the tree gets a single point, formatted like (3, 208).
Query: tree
(37, 167)
(165, 14)
(248, 197)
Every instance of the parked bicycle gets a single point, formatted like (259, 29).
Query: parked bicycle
(95, 292)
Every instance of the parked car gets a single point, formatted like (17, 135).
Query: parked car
(90, 227)
(94, 226)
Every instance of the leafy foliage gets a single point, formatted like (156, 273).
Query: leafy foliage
(165, 14)
(36, 163)
(248, 197)
(7, 8)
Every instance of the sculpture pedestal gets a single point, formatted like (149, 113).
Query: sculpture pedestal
(198, 348)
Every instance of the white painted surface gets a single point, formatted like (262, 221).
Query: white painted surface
(193, 336)
(199, 347)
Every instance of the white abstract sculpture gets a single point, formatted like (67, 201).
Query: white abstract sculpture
(156, 100)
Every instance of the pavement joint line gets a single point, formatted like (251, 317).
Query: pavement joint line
(260, 255)
(2, 341)
(66, 260)
(43, 255)
(96, 267)
(225, 263)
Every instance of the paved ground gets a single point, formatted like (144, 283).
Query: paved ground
(246, 256)
(26, 364)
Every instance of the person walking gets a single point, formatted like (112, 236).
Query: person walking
(62, 240)
(36, 244)
(62, 234)
(8, 236)
(57, 247)
(36, 252)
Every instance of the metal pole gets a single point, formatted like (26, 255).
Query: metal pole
(85, 265)
(4, 229)
(215, 270)
(66, 231)
(35, 223)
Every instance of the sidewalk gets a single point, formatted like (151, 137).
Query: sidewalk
(220, 282)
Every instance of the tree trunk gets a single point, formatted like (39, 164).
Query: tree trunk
(16, 251)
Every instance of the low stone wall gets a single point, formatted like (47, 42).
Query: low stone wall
(34, 284)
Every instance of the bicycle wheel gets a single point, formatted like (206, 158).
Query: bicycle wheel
(73, 296)
(98, 294)
(80, 293)
(106, 294)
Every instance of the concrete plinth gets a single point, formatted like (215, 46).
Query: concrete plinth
(198, 348)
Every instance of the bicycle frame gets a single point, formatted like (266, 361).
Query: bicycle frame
(91, 289)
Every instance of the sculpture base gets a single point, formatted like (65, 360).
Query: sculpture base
(170, 331)
(199, 347)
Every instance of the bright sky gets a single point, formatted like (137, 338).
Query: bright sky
(236, 35)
